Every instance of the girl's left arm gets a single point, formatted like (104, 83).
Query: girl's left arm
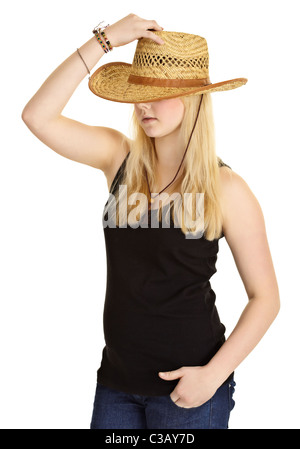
(245, 232)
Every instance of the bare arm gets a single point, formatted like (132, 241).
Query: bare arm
(92, 145)
(43, 113)
(245, 232)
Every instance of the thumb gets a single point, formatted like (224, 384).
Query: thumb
(170, 375)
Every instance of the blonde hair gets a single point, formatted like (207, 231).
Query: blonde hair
(200, 173)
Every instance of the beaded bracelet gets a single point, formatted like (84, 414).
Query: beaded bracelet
(100, 30)
(106, 50)
(106, 40)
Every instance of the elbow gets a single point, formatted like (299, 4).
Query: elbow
(269, 303)
(24, 115)
(275, 306)
(31, 119)
(35, 119)
(276, 301)
(27, 116)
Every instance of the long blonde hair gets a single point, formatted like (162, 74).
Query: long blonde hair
(200, 174)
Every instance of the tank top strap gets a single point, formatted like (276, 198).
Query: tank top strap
(118, 174)
(222, 164)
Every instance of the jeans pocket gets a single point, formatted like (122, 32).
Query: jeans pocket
(174, 403)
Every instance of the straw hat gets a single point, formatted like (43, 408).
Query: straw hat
(178, 67)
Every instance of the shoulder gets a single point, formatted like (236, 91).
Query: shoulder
(233, 185)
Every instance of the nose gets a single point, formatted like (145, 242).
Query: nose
(144, 105)
(144, 108)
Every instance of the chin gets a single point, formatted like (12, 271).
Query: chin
(151, 134)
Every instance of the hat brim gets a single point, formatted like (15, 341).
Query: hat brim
(110, 82)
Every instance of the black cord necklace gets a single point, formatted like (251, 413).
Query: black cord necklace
(153, 198)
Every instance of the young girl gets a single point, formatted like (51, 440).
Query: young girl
(166, 363)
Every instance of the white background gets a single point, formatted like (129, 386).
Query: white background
(53, 262)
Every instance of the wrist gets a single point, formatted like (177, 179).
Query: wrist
(214, 374)
(110, 36)
(100, 32)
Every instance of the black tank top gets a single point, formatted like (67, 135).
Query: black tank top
(159, 311)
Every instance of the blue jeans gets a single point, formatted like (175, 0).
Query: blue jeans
(114, 409)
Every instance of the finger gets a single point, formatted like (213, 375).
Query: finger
(153, 25)
(174, 397)
(150, 35)
(171, 375)
(179, 403)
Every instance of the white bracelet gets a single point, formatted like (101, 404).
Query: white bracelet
(98, 28)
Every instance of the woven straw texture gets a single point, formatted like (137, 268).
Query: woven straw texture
(182, 57)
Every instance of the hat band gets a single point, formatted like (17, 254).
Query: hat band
(163, 82)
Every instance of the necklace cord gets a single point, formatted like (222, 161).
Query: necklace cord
(182, 157)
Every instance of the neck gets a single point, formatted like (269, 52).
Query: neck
(169, 150)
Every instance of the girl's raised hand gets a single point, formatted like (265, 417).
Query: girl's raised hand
(130, 28)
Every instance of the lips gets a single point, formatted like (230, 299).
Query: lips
(146, 119)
